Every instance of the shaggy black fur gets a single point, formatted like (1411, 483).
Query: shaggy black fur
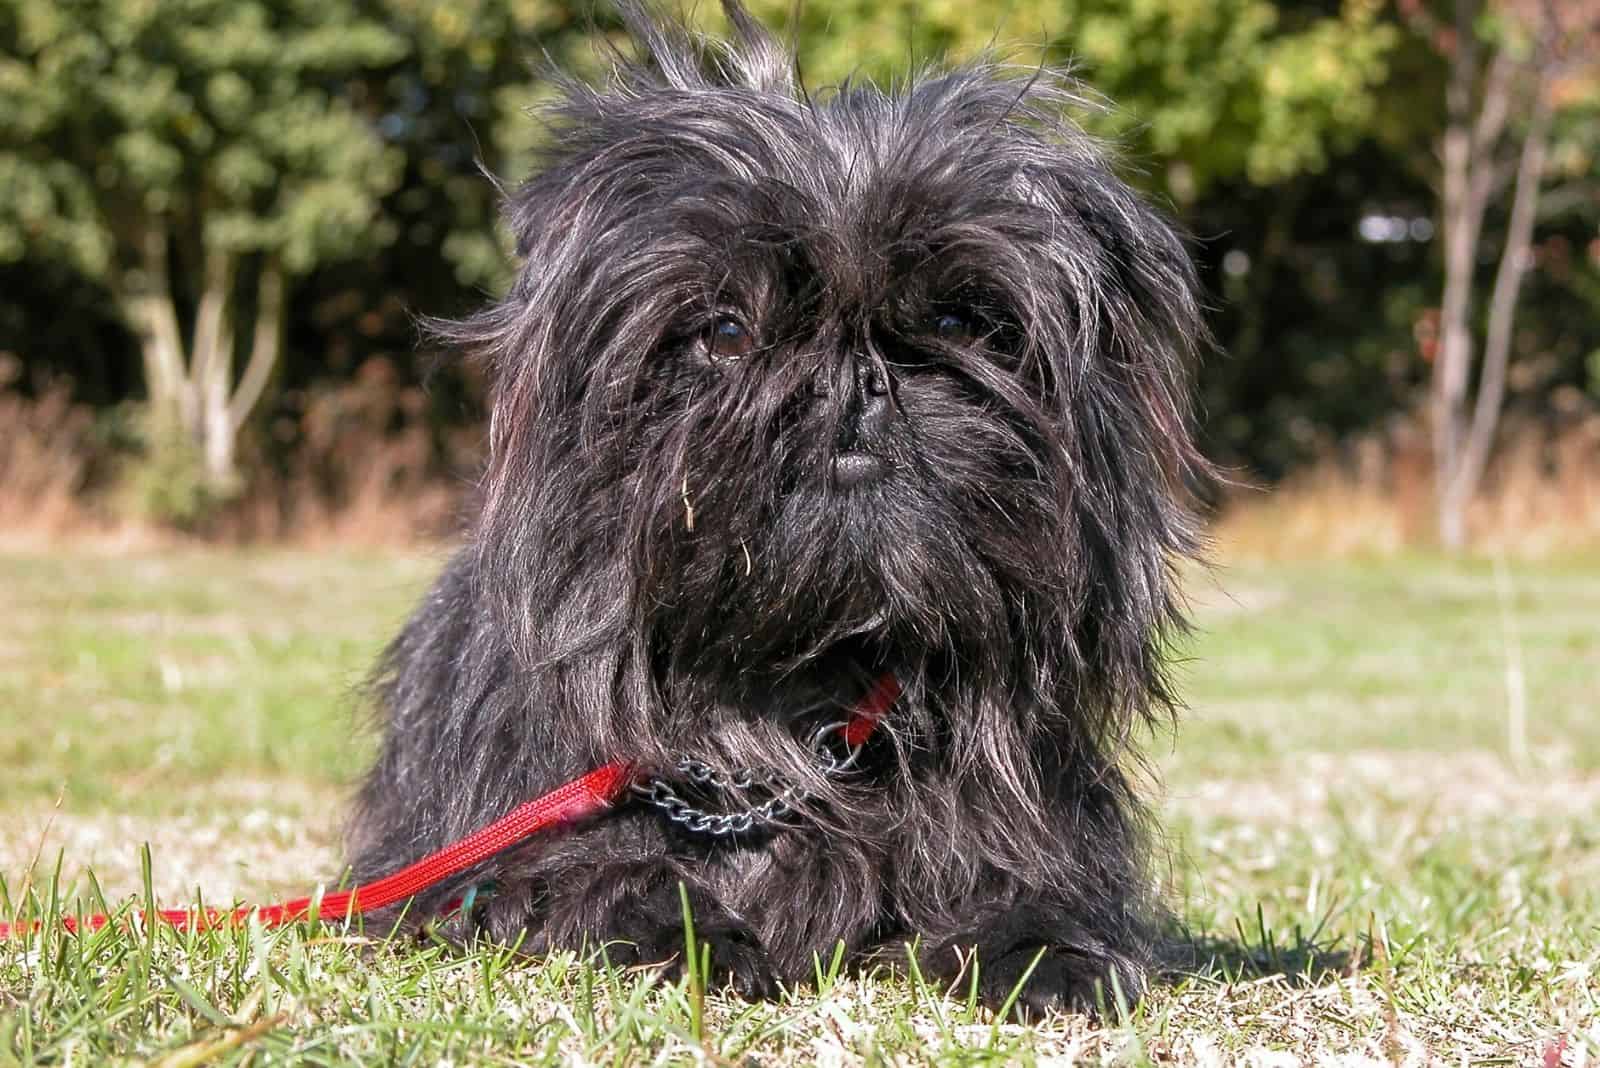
(793, 390)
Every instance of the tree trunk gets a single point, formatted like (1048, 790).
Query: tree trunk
(147, 295)
(1514, 262)
(1472, 175)
(265, 343)
(1460, 231)
(190, 381)
(211, 372)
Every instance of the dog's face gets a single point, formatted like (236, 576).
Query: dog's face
(782, 375)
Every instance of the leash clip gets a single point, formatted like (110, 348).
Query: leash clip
(831, 763)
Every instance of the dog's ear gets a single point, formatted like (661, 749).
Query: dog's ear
(1147, 323)
(1102, 286)
(1117, 327)
(1133, 502)
(601, 153)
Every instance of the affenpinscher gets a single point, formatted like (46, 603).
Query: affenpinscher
(795, 393)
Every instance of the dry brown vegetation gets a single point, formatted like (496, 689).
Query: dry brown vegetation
(356, 464)
(360, 465)
(1541, 494)
(45, 451)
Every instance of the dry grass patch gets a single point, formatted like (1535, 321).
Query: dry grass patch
(1473, 785)
(241, 840)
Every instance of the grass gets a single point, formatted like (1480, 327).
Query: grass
(1359, 868)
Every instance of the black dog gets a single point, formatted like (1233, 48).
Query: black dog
(794, 393)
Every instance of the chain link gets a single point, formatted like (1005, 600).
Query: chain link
(769, 815)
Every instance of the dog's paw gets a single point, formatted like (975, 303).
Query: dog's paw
(650, 931)
(1060, 981)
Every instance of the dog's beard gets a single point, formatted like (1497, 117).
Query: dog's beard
(756, 549)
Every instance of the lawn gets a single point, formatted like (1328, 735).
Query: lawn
(1382, 816)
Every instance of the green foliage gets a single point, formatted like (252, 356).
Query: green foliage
(226, 123)
(456, 106)
(1202, 90)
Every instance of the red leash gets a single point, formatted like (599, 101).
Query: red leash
(577, 800)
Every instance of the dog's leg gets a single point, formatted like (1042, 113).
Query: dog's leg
(585, 897)
(1079, 925)
(1069, 965)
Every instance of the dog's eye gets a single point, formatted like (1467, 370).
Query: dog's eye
(954, 328)
(728, 339)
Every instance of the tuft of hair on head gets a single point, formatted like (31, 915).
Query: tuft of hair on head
(681, 58)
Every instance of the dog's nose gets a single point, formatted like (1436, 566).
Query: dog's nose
(870, 409)
(874, 403)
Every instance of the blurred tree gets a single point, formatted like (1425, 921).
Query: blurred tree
(456, 104)
(1507, 62)
(1314, 324)
(343, 146)
(190, 154)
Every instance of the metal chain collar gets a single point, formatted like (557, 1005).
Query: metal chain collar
(769, 815)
